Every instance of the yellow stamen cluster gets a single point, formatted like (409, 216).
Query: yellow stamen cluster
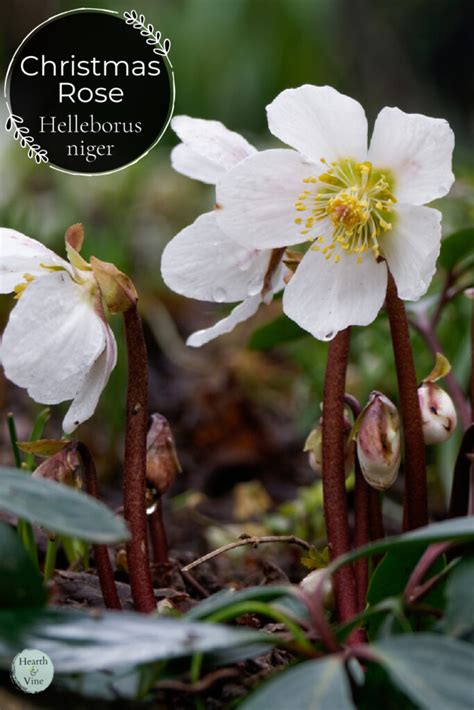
(357, 199)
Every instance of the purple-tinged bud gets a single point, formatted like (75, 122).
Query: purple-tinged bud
(438, 414)
(378, 442)
(162, 463)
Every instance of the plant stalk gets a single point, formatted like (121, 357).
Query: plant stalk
(361, 533)
(334, 488)
(101, 553)
(416, 494)
(134, 483)
(159, 540)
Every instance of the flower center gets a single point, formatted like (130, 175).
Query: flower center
(358, 201)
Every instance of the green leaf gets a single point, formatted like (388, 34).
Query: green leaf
(312, 685)
(435, 672)
(278, 331)
(391, 576)
(59, 508)
(459, 614)
(21, 585)
(228, 597)
(456, 247)
(80, 642)
(456, 529)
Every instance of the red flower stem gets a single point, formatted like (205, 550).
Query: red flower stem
(159, 541)
(101, 553)
(423, 565)
(416, 495)
(334, 489)
(134, 482)
(377, 529)
(361, 533)
(459, 503)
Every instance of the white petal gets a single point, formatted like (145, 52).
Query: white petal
(418, 150)
(85, 402)
(212, 141)
(412, 249)
(324, 297)
(186, 161)
(52, 338)
(204, 263)
(320, 123)
(21, 255)
(257, 198)
(240, 313)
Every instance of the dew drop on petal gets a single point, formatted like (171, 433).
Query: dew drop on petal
(219, 294)
(255, 286)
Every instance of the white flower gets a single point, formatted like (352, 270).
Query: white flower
(57, 343)
(360, 207)
(201, 261)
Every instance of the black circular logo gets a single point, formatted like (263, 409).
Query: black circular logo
(90, 91)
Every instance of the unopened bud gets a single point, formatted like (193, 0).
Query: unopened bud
(314, 447)
(311, 582)
(438, 414)
(162, 463)
(63, 467)
(116, 288)
(378, 442)
(75, 236)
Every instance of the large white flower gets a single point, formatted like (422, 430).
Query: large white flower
(201, 261)
(57, 343)
(361, 208)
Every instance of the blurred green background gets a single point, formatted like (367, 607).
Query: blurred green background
(236, 409)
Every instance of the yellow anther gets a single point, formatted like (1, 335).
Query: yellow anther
(337, 258)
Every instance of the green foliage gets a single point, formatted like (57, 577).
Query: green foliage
(278, 331)
(456, 248)
(433, 671)
(21, 584)
(319, 684)
(459, 617)
(58, 508)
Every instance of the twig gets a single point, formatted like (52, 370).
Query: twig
(192, 581)
(255, 541)
(134, 483)
(101, 553)
(416, 495)
(334, 488)
(201, 685)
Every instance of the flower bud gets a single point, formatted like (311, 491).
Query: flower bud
(378, 442)
(314, 447)
(162, 463)
(310, 583)
(438, 414)
(63, 467)
(116, 288)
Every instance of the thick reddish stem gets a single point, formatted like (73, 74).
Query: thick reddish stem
(159, 541)
(460, 500)
(361, 533)
(416, 495)
(101, 553)
(134, 482)
(377, 529)
(334, 490)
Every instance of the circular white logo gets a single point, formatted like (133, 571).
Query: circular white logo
(32, 670)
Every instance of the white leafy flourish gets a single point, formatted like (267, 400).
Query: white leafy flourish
(21, 134)
(147, 30)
